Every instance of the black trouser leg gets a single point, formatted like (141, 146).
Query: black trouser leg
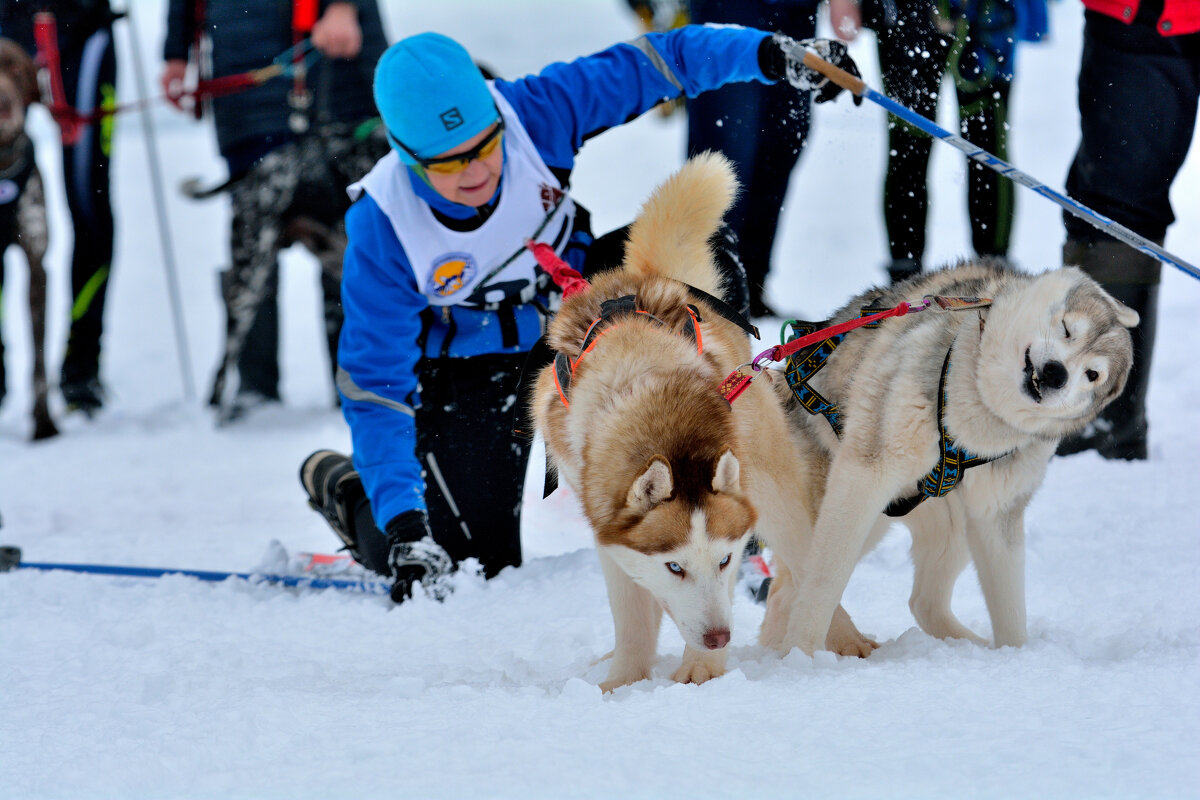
(1138, 95)
(912, 56)
(983, 121)
(89, 79)
(761, 128)
(474, 466)
(258, 362)
(331, 290)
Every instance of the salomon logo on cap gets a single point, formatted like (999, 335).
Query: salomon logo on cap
(414, 80)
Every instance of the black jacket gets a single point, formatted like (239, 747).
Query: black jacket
(76, 21)
(249, 35)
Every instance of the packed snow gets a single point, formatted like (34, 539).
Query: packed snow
(172, 687)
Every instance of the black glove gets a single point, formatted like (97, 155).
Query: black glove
(781, 58)
(414, 556)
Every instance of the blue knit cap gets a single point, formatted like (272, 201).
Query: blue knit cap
(431, 95)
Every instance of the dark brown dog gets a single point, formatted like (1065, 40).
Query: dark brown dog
(23, 213)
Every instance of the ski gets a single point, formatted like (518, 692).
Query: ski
(311, 578)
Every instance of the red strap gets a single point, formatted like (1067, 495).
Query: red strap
(782, 351)
(739, 380)
(304, 16)
(230, 84)
(45, 36)
(564, 277)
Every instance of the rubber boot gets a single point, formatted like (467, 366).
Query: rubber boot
(1121, 430)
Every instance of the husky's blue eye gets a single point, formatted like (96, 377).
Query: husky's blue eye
(725, 561)
(675, 568)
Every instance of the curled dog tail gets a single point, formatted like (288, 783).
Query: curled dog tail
(670, 235)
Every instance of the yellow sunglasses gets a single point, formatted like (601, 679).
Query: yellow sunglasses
(452, 165)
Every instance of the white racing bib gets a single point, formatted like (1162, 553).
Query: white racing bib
(489, 264)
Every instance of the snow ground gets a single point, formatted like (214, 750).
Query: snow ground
(131, 688)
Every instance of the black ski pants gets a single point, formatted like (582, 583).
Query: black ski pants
(474, 467)
(761, 128)
(913, 56)
(1138, 96)
(89, 74)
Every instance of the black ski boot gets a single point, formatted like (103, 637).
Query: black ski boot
(79, 378)
(902, 269)
(334, 491)
(82, 392)
(1120, 432)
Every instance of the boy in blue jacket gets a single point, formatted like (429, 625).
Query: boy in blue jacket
(442, 300)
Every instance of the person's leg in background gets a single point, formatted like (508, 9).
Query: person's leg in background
(983, 121)
(89, 79)
(981, 64)
(912, 58)
(1137, 100)
(258, 201)
(760, 128)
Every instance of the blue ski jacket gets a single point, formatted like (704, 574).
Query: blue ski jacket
(387, 317)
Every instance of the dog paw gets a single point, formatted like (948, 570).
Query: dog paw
(700, 666)
(860, 647)
(616, 682)
(845, 639)
(696, 673)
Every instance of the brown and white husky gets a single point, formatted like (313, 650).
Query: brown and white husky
(672, 476)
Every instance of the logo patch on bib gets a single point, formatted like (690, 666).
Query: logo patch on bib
(451, 273)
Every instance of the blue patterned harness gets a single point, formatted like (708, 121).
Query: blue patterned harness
(952, 461)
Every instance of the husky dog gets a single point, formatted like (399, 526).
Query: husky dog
(672, 476)
(23, 214)
(927, 399)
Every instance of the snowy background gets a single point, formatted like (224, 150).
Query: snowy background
(130, 688)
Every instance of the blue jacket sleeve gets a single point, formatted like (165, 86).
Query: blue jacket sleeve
(567, 103)
(378, 354)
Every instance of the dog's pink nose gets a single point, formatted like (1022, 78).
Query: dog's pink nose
(715, 640)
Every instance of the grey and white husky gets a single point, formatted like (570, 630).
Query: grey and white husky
(946, 420)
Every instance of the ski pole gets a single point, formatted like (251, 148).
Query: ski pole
(10, 559)
(160, 213)
(1094, 218)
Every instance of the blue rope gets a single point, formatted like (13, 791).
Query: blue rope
(287, 59)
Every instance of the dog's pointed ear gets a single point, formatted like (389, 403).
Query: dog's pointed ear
(652, 487)
(728, 473)
(1125, 315)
